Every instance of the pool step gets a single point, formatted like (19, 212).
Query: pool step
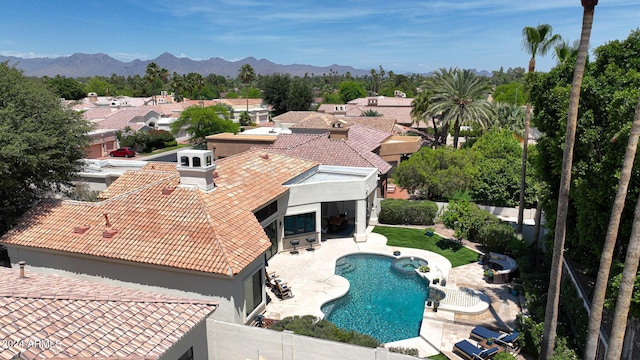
(345, 269)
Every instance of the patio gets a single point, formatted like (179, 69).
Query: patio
(313, 282)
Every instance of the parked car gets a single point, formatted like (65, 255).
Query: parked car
(125, 151)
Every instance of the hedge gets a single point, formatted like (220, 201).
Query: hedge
(412, 212)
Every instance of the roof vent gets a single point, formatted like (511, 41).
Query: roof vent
(215, 175)
(167, 190)
(109, 233)
(79, 230)
(265, 156)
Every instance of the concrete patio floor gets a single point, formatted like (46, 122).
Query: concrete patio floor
(313, 282)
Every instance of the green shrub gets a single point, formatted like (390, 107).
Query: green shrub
(531, 335)
(398, 211)
(170, 143)
(504, 356)
(466, 218)
(405, 351)
(496, 237)
(310, 325)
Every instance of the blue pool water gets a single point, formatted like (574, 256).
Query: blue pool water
(382, 302)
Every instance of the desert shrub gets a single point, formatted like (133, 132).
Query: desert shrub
(310, 325)
(398, 211)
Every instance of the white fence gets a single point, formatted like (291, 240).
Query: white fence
(233, 341)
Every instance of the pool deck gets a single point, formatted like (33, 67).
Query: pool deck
(470, 301)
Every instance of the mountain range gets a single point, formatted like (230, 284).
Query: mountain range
(87, 65)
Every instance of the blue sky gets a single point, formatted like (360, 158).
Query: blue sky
(401, 35)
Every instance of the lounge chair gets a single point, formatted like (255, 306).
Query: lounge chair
(473, 352)
(481, 333)
(284, 290)
(270, 278)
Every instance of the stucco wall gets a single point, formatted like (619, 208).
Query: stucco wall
(229, 292)
(231, 341)
(195, 338)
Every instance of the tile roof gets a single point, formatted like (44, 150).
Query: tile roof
(72, 318)
(294, 116)
(383, 101)
(188, 229)
(329, 152)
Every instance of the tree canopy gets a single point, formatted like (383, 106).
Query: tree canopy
(607, 105)
(286, 94)
(350, 90)
(41, 141)
(200, 122)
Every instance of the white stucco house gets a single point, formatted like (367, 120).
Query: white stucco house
(200, 229)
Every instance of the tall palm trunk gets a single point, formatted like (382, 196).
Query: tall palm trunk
(553, 299)
(626, 289)
(456, 133)
(600, 290)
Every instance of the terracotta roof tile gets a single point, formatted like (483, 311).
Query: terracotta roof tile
(355, 153)
(73, 325)
(189, 229)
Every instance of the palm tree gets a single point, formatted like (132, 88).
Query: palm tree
(551, 313)
(178, 86)
(510, 116)
(459, 96)
(246, 75)
(599, 293)
(536, 40)
(153, 73)
(625, 292)
(565, 51)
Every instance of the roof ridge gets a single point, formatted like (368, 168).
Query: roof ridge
(213, 229)
(79, 297)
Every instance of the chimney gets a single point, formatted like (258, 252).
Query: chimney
(22, 264)
(106, 218)
(196, 168)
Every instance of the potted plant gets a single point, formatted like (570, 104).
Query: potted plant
(435, 281)
(443, 282)
(490, 341)
(429, 302)
(430, 231)
(488, 276)
(424, 269)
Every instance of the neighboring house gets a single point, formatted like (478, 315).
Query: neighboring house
(46, 316)
(397, 107)
(203, 228)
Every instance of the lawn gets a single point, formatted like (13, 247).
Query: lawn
(415, 238)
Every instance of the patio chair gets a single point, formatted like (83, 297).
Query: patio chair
(473, 352)
(270, 278)
(284, 290)
(481, 333)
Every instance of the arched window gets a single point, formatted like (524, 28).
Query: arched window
(196, 162)
(184, 161)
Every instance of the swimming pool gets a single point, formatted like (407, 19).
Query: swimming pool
(382, 302)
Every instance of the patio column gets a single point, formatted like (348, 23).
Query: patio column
(360, 232)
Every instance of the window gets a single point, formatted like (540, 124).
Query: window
(253, 291)
(208, 160)
(299, 224)
(184, 161)
(187, 355)
(196, 162)
(267, 211)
